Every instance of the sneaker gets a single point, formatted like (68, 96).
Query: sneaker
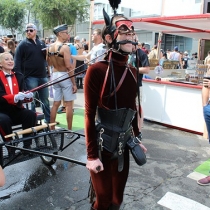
(205, 181)
(69, 135)
(61, 109)
(27, 146)
(11, 152)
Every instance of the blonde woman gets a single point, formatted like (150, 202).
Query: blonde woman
(12, 96)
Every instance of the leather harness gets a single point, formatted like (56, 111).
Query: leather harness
(55, 53)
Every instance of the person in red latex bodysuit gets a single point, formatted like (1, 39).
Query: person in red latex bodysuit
(110, 114)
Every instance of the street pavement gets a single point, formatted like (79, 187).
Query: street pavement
(162, 183)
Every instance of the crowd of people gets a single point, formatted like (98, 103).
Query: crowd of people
(28, 65)
(8, 45)
(112, 110)
(30, 59)
(169, 55)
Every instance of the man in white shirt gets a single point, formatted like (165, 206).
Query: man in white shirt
(176, 56)
(97, 52)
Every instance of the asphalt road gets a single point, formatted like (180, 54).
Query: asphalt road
(172, 156)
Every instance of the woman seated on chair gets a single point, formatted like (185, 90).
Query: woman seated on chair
(12, 96)
(163, 59)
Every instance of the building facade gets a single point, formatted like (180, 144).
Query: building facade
(138, 9)
(141, 9)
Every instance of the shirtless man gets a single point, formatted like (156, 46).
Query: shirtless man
(58, 56)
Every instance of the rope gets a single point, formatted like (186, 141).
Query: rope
(57, 80)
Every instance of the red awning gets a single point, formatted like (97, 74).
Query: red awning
(194, 26)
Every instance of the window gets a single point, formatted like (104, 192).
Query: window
(98, 11)
(208, 7)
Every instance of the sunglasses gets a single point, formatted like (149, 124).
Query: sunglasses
(30, 30)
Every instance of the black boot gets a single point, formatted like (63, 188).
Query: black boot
(27, 145)
(2, 156)
(114, 207)
(11, 152)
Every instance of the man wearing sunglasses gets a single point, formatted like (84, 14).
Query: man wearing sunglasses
(30, 60)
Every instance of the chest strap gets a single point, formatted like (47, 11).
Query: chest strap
(56, 53)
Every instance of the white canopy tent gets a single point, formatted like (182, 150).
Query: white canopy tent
(193, 26)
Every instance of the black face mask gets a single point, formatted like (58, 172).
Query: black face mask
(126, 42)
(117, 47)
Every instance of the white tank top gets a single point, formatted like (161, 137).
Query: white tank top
(174, 56)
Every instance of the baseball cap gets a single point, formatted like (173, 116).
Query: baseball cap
(76, 38)
(31, 25)
(176, 48)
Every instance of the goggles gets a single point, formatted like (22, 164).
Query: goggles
(127, 23)
(124, 27)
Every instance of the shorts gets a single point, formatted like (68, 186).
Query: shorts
(63, 89)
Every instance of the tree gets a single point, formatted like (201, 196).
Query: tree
(12, 14)
(55, 12)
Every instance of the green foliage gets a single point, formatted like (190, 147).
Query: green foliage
(55, 12)
(12, 13)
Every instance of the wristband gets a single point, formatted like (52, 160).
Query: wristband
(139, 141)
(139, 137)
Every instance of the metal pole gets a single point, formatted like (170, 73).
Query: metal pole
(201, 42)
(160, 33)
(163, 8)
(159, 45)
(91, 23)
